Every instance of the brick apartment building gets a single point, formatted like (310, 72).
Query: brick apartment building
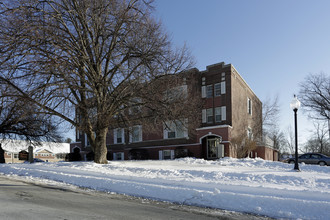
(230, 110)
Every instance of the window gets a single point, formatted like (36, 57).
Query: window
(306, 156)
(175, 129)
(209, 115)
(166, 155)
(136, 133)
(118, 136)
(209, 91)
(249, 106)
(118, 156)
(223, 75)
(217, 113)
(217, 89)
(220, 113)
(315, 156)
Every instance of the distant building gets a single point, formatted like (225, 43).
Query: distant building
(230, 110)
(15, 150)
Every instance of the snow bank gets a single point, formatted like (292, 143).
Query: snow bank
(249, 185)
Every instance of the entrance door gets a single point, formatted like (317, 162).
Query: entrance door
(212, 148)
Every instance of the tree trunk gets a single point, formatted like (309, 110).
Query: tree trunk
(100, 148)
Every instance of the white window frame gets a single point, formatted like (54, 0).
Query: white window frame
(172, 126)
(161, 154)
(209, 91)
(217, 112)
(139, 127)
(115, 155)
(115, 135)
(208, 115)
(217, 89)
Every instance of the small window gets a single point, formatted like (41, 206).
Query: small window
(171, 134)
(118, 156)
(223, 75)
(209, 115)
(217, 89)
(166, 154)
(249, 106)
(209, 91)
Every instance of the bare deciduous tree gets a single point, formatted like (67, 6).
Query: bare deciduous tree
(98, 58)
(290, 141)
(270, 113)
(315, 96)
(270, 118)
(19, 119)
(318, 142)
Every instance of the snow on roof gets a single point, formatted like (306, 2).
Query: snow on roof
(19, 145)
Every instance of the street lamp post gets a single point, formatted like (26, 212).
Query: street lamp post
(295, 105)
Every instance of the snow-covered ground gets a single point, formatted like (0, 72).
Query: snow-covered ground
(249, 185)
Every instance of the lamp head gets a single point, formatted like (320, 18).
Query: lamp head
(295, 103)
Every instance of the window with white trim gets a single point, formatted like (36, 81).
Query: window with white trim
(118, 156)
(209, 115)
(217, 89)
(220, 113)
(175, 129)
(135, 134)
(166, 154)
(209, 91)
(119, 136)
(217, 113)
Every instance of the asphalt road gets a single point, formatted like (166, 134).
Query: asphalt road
(25, 200)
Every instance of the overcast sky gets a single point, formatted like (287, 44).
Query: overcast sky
(274, 44)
